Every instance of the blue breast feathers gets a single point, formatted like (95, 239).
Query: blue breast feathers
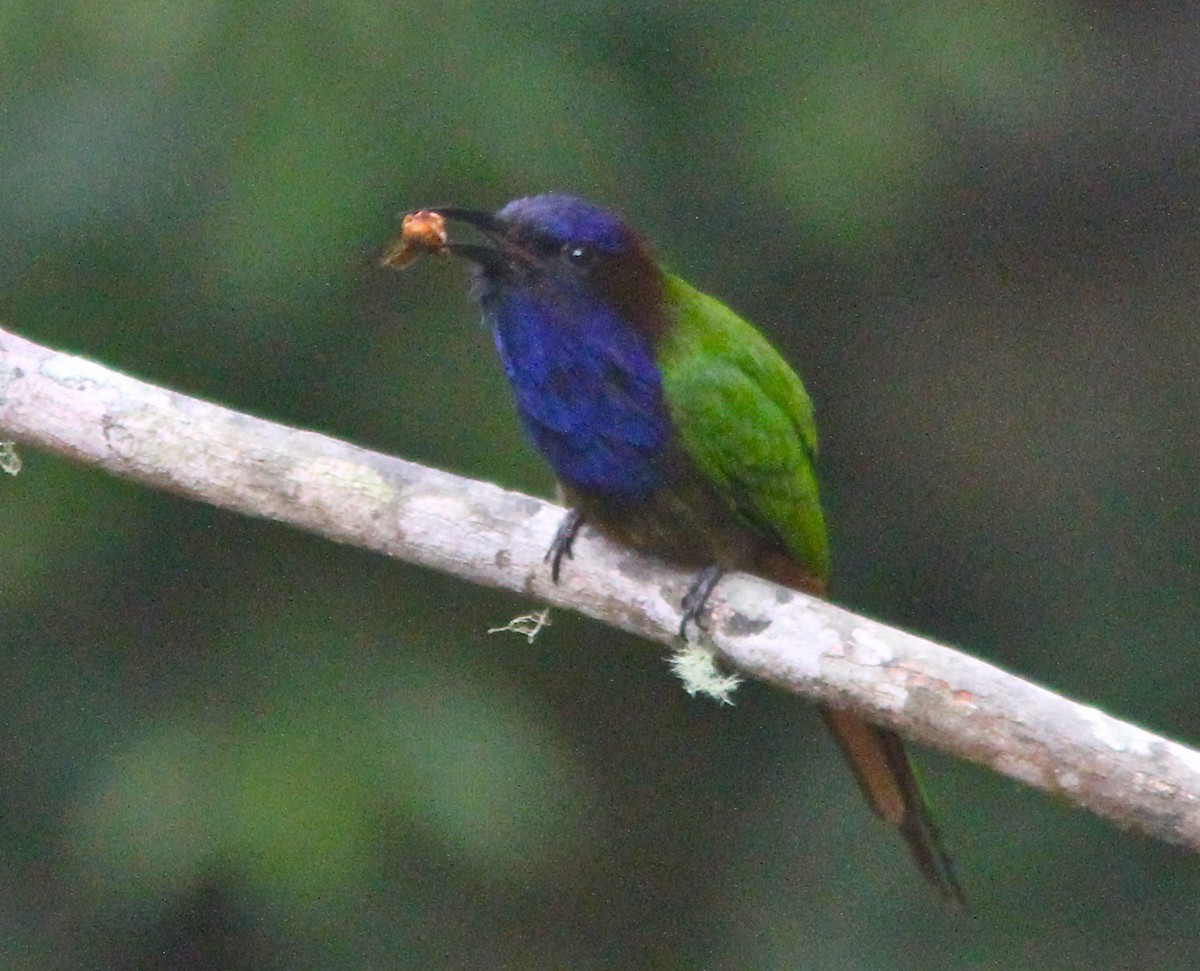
(587, 388)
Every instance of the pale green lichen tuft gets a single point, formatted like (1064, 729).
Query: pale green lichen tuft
(696, 666)
(527, 625)
(10, 461)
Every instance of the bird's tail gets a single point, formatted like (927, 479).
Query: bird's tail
(880, 764)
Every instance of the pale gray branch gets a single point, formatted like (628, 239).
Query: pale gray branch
(953, 702)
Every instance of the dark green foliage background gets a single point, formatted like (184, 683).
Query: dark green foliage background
(227, 745)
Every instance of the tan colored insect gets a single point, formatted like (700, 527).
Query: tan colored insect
(423, 231)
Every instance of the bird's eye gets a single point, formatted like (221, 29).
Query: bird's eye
(578, 255)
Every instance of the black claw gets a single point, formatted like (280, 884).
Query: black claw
(697, 596)
(568, 529)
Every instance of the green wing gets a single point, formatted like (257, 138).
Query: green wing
(744, 417)
(746, 420)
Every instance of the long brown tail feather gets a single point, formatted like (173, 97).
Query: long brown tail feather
(885, 775)
(879, 762)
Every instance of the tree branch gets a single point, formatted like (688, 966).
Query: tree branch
(482, 533)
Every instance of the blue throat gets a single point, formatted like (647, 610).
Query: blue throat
(587, 387)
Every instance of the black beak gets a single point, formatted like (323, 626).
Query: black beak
(489, 258)
(485, 222)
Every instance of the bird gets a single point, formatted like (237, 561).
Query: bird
(672, 426)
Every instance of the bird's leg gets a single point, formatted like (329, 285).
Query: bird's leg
(568, 529)
(697, 596)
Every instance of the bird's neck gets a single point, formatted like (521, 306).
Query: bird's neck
(587, 387)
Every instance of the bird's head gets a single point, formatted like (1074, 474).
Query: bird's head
(559, 243)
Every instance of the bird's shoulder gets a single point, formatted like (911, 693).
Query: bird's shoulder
(745, 420)
(716, 359)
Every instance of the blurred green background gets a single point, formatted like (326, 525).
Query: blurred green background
(973, 228)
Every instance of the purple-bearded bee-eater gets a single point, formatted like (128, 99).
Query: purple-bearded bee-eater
(672, 426)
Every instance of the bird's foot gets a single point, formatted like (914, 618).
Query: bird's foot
(695, 600)
(568, 529)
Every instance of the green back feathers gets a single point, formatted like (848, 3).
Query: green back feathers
(745, 419)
